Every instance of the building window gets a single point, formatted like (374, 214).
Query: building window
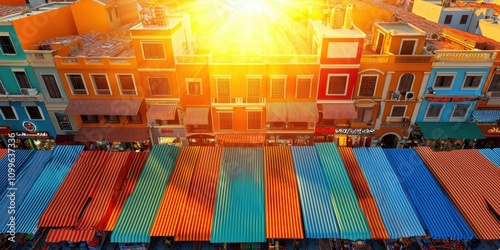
(278, 87)
(135, 119)
(34, 112)
(77, 84)
(90, 118)
(7, 45)
(223, 89)
(364, 114)
(153, 50)
(443, 81)
(51, 86)
(405, 83)
(159, 86)
(101, 85)
(434, 111)
(22, 79)
(495, 83)
(460, 111)
(226, 121)
(447, 19)
(472, 81)
(407, 47)
(127, 85)
(193, 86)
(464, 18)
(8, 113)
(254, 120)
(303, 87)
(63, 121)
(2, 89)
(398, 111)
(337, 85)
(367, 85)
(112, 119)
(253, 90)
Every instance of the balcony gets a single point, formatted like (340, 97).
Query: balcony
(406, 59)
(238, 100)
(464, 56)
(97, 61)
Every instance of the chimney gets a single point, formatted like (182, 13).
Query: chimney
(160, 13)
(337, 17)
(348, 16)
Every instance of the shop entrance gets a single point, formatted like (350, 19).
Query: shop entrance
(389, 141)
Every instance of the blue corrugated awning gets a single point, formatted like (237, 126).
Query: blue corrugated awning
(317, 209)
(396, 210)
(492, 155)
(486, 115)
(239, 214)
(437, 212)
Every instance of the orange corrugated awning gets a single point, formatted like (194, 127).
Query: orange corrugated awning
(231, 138)
(339, 111)
(196, 116)
(302, 112)
(276, 112)
(103, 107)
(161, 112)
(71, 235)
(112, 134)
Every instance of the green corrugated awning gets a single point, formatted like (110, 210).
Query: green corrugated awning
(450, 130)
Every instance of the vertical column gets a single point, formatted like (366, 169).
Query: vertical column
(387, 84)
(420, 96)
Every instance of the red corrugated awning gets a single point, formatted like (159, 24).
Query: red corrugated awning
(112, 134)
(161, 112)
(71, 235)
(196, 116)
(339, 111)
(103, 107)
(250, 139)
(276, 112)
(302, 112)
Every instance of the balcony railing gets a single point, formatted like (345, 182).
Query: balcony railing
(79, 92)
(238, 100)
(374, 59)
(279, 59)
(94, 60)
(464, 56)
(396, 59)
(103, 92)
(412, 59)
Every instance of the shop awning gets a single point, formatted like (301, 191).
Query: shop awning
(112, 134)
(486, 115)
(230, 138)
(276, 112)
(196, 116)
(302, 112)
(71, 235)
(161, 112)
(339, 111)
(103, 107)
(450, 130)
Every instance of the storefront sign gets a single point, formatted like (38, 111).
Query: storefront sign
(323, 130)
(355, 131)
(493, 130)
(37, 134)
(169, 132)
(450, 99)
(29, 126)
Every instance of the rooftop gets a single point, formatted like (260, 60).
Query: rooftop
(9, 13)
(327, 31)
(10, 10)
(401, 28)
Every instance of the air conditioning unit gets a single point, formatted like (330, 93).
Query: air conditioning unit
(26, 91)
(395, 95)
(409, 96)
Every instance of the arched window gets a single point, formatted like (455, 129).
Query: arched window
(405, 83)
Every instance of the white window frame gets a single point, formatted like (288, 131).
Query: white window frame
(14, 70)
(95, 86)
(277, 77)
(433, 118)
(117, 76)
(328, 84)
(414, 46)
(153, 42)
(39, 110)
(232, 119)
(392, 110)
(15, 113)
(361, 80)
(188, 80)
(459, 119)
(453, 74)
(300, 77)
(254, 129)
(10, 38)
(217, 77)
(473, 74)
(399, 81)
(71, 85)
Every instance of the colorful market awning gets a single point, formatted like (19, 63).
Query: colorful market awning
(302, 112)
(240, 209)
(276, 112)
(339, 111)
(351, 219)
(161, 112)
(241, 138)
(486, 115)
(450, 130)
(112, 134)
(397, 212)
(492, 155)
(139, 212)
(103, 107)
(437, 212)
(195, 223)
(317, 209)
(283, 217)
(71, 235)
(196, 116)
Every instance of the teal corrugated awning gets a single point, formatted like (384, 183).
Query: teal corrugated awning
(450, 130)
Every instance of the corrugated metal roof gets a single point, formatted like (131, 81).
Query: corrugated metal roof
(76, 191)
(20, 158)
(317, 209)
(473, 184)
(492, 155)
(139, 211)
(365, 198)
(396, 210)
(283, 216)
(339, 111)
(26, 175)
(195, 223)
(3, 152)
(486, 115)
(437, 212)
(351, 219)
(45, 187)
(176, 193)
(239, 209)
(451, 130)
